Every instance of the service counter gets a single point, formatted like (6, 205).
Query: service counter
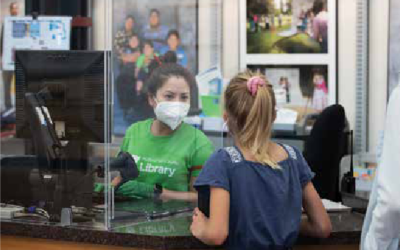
(155, 230)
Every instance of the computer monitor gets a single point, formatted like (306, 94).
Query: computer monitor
(74, 80)
(60, 108)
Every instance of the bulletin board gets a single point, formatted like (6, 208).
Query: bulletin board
(26, 33)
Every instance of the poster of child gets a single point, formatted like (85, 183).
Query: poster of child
(320, 96)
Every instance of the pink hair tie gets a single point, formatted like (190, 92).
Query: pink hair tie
(253, 84)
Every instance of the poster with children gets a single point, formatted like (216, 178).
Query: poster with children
(143, 31)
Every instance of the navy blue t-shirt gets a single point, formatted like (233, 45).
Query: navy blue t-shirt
(265, 203)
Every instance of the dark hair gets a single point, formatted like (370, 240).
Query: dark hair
(148, 42)
(137, 36)
(165, 71)
(169, 57)
(318, 71)
(134, 35)
(318, 6)
(173, 33)
(155, 11)
(130, 17)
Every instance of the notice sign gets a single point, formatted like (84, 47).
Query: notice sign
(25, 33)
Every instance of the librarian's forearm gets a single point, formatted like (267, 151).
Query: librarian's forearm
(178, 195)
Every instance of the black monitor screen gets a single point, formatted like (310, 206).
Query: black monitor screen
(75, 83)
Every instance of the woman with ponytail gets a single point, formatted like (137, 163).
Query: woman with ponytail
(257, 188)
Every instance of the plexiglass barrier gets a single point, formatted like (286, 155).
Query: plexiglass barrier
(54, 117)
(112, 116)
(167, 111)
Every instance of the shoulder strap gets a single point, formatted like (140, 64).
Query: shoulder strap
(234, 154)
(291, 151)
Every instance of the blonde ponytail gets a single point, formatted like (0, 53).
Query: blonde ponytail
(250, 118)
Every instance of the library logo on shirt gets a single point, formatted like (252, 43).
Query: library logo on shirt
(150, 168)
(136, 158)
(147, 166)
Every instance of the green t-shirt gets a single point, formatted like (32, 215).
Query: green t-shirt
(167, 160)
(140, 62)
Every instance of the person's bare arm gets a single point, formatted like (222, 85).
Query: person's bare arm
(191, 195)
(132, 58)
(135, 56)
(213, 230)
(178, 195)
(317, 222)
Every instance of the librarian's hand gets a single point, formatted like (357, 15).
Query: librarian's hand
(167, 195)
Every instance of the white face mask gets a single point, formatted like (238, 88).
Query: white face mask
(171, 113)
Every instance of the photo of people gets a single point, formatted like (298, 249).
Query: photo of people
(173, 44)
(145, 31)
(155, 30)
(302, 86)
(287, 26)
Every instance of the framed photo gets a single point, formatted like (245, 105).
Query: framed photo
(169, 25)
(142, 31)
(296, 33)
(302, 87)
(394, 48)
